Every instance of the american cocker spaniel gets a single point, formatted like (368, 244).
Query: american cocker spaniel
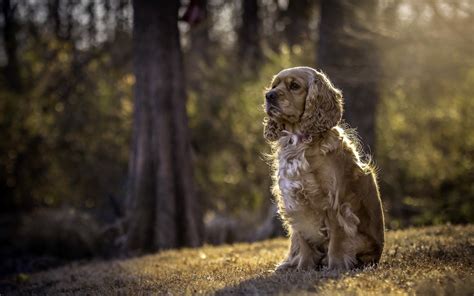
(327, 195)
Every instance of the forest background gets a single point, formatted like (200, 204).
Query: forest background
(67, 101)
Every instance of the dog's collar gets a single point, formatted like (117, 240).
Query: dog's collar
(304, 138)
(295, 138)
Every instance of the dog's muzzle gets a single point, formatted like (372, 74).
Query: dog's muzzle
(271, 101)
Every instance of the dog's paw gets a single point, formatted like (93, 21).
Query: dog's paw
(284, 266)
(337, 265)
(341, 263)
(307, 263)
(325, 261)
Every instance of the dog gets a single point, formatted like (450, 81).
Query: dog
(327, 196)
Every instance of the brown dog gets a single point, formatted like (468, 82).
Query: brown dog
(327, 196)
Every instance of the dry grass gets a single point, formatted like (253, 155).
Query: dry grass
(434, 261)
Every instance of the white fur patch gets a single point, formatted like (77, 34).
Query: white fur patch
(302, 199)
(296, 188)
(291, 166)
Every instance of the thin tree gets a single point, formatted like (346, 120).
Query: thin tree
(297, 17)
(348, 54)
(249, 50)
(12, 67)
(164, 212)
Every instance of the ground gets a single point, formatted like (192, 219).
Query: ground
(435, 260)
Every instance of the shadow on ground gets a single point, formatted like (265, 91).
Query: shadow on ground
(283, 282)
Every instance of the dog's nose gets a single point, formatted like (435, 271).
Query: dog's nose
(271, 96)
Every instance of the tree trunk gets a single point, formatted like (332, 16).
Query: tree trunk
(199, 37)
(347, 53)
(164, 212)
(297, 17)
(91, 26)
(249, 35)
(12, 68)
(54, 17)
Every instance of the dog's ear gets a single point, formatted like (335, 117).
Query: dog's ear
(272, 129)
(323, 106)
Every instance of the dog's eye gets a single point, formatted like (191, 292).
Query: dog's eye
(294, 86)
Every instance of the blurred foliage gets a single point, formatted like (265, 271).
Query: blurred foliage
(64, 139)
(425, 125)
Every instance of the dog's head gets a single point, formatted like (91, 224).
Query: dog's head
(301, 96)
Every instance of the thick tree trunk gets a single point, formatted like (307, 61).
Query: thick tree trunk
(347, 53)
(164, 212)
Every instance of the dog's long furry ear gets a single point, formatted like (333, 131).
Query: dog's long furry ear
(323, 106)
(271, 129)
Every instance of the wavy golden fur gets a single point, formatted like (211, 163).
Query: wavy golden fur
(327, 196)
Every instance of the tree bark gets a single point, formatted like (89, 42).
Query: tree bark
(348, 54)
(164, 212)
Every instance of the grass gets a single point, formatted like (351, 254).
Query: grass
(433, 261)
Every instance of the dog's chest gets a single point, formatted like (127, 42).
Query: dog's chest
(303, 198)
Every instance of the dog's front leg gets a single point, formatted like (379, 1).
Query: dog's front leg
(300, 255)
(292, 258)
(308, 258)
(341, 255)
